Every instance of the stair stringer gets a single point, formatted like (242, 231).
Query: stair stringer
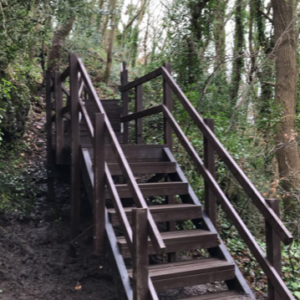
(238, 283)
(118, 267)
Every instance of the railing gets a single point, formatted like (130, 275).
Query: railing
(80, 84)
(275, 228)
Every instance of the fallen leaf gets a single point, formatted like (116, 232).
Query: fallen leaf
(78, 287)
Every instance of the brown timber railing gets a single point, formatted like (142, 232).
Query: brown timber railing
(143, 223)
(274, 225)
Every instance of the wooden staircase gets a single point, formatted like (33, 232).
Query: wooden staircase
(141, 198)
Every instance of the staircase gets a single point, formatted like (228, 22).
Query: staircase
(141, 197)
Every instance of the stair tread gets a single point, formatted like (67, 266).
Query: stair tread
(162, 207)
(179, 235)
(154, 189)
(186, 268)
(163, 213)
(145, 167)
(227, 295)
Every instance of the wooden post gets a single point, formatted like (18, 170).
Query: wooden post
(99, 185)
(139, 107)
(168, 102)
(140, 254)
(50, 160)
(209, 161)
(75, 147)
(125, 102)
(273, 244)
(59, 125)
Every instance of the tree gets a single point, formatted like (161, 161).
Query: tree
(285, 94)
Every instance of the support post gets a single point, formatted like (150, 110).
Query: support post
(140, 254)
(75, 147)
(99, 185)
(168, 102)
(59, 125)
(273, 244)
(50, 159)
(139, 107)
(209, 161)
(125, 102)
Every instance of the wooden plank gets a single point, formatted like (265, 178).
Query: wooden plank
(122, 217)
(50, 160)
(227, 295)
(273, 245)
(59, 125)
(247, 185)
(142, 114)
(145, 168)
(162, 213)
(178, 241)
(193, 272)
(140, 254)
(75, 147)
(125, 101)
(209, 161)
(99, 185)
(138, 108)
(141, 80)
(231, 212)
(153, 189)
(87, 120)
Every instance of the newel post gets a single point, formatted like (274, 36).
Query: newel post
(75, 146)
(168, 102)
(125, 101)
(99, 185)
(273, 244)
(140, 254)
(209, 161)
(50, 158)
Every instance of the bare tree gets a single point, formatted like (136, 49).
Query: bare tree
(285, 94)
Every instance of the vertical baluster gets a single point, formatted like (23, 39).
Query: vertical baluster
(139, 107)
(75, 147)
(168, 102)
(59, 125)
(125, 102)
(50, 160)
(99, 184)
(209, 161)
(273, 244)
(140, 254)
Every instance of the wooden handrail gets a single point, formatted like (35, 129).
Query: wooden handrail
(125, 225)
(140, 202)
(142, 114)
(87, 119)
(257, 252)
(249, 188)
(140, 80)
(65, 74)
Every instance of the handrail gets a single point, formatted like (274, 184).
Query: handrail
(133, 186)
(141, 80)
(250, 189)
(142, 114)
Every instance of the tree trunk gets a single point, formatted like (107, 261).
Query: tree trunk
(285, 96)
(111, 40)
(238, 62)
(58, 41)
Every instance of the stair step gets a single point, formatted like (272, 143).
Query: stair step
(145, 168)
(134, 153)
(153, 189)
(163, 213)
(228, 295)
(190, 272)
(179, 240)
